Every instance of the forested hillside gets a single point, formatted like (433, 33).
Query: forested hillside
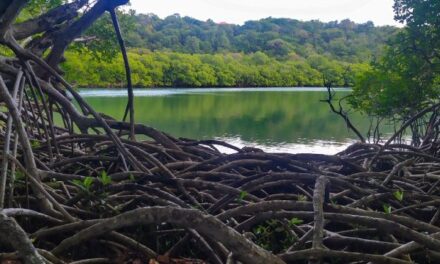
(185, 52)
(344, 40)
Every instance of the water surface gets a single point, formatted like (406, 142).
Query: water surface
(274, 119)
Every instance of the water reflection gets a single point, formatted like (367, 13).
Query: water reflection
(278, 119)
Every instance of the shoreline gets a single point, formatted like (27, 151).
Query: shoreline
(207, 87)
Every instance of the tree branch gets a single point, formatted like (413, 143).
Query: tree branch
(64, 38)
(207, 225)
(10, 14)
(48, 20)
(130, 106)
(342, 114)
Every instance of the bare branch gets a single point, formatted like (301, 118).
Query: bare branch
(64, 38)
(209, 226)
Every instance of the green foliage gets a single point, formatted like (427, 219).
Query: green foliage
(407, 78)
(88, 182)
(279, 37)
(104, 178)
(278, 48)
(274, 236)
(171, 69)
(104, 45)
(85, 184)
(398, 195)
(35, 144)
(295, 221)
(185, 52)
(387, 208)
(6, 52)
(242, 195)
(37, 7)
(398, 85)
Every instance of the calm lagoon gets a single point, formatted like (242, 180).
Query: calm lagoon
(290, 120)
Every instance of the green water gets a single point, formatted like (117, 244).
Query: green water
(284, 120)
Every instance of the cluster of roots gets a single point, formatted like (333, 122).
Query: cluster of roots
(180, 198)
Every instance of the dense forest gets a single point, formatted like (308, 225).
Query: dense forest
(185, 52)
(344, 40)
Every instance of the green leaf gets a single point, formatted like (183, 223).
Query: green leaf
(295, 221)
(105, 179)
(77, 182)
(398, 195)
(242, 195)
(35, 144)
(387, 208)
(87, 183)
(260, 229)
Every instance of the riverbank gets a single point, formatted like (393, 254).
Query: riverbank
(124, 87)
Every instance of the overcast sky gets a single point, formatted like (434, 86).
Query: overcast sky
(238, 11)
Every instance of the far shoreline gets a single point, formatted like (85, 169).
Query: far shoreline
(122, 92)
(207, 87)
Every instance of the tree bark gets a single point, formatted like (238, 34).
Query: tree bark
(14, 234)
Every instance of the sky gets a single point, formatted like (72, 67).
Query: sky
(239, 11)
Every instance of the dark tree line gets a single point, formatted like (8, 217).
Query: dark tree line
(342, 40)
(184, 52)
